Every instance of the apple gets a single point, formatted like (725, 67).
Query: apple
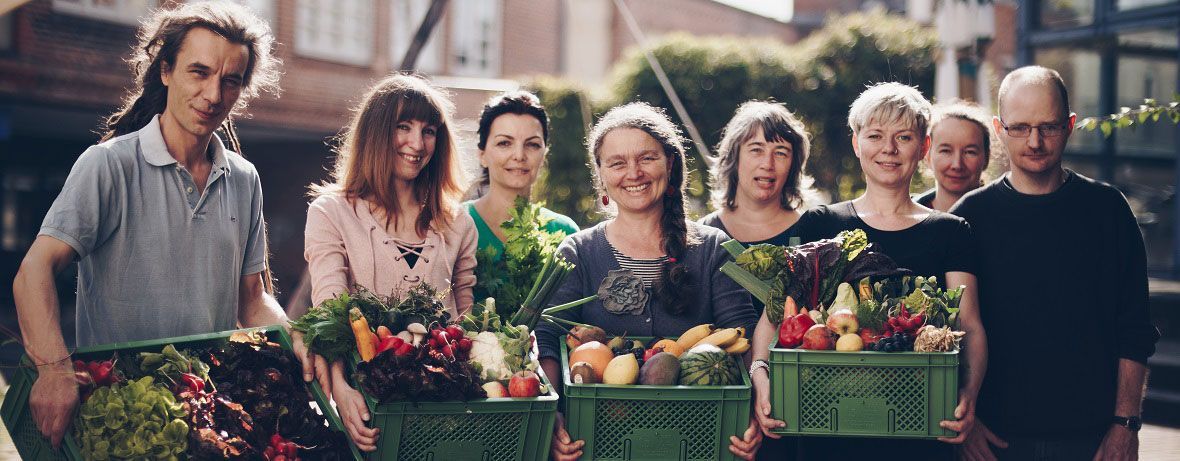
(850, 343)
(524, 384)
(842, 322)
(495, 389)
(818, 338)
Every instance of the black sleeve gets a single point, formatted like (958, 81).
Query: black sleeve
(961, 254)
(1136, 335)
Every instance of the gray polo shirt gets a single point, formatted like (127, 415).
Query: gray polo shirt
(157, 258)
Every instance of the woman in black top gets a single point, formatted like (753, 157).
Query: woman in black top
(758, 188)
(960, 140)
(889, 136)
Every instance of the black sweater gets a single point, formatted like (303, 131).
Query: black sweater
(1063, 295)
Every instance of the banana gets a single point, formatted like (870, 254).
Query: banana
(693, 335)
(739, 347)
(722, 338)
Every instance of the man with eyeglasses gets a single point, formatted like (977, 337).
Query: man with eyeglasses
(1063, 293)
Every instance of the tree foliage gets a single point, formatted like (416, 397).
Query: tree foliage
(1148, 112)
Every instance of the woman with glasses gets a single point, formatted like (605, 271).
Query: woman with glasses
(960, 140)
(889, 137)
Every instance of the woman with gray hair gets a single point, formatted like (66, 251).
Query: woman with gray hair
(667, 266)
(889, 123)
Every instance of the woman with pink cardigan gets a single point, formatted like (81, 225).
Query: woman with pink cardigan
(391, 218)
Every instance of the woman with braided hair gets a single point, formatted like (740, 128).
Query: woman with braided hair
(638, 159)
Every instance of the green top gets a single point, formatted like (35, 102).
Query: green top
(557, 223)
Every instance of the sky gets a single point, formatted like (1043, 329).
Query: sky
(781, 10)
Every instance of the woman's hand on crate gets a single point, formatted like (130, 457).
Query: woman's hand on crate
(53, 399)
(761, 382)
(747, 447)
(353, 411)
(314, 365)
(564, 449)
(977, 447)
(964, 419)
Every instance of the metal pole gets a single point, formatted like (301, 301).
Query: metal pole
(637, 34)
(433, 15)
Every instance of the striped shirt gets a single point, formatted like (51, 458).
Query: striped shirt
(648, 270)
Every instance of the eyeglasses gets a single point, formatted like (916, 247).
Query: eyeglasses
(1048, 130)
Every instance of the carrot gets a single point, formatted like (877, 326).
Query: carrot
(366, 341)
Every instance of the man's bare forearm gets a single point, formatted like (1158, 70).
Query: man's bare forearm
(39, 312)
(1132, 387)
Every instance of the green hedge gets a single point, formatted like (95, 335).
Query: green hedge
(817, 78)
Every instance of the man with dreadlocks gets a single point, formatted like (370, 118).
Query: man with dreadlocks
(164, 220)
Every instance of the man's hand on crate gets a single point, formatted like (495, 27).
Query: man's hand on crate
(977, 447)
(53, 398)
(564, 449)
(761, 382)
(964, 419)
(747, 447)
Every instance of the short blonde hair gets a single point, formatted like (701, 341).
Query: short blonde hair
(890, 102)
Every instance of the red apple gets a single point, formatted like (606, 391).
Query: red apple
(494, 389)
(818, 338)
(842, 322)
(524, 384)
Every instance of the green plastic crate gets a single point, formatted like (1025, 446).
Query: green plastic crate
(32, 446)
(863, 394)
(505, 428)
(679, 423)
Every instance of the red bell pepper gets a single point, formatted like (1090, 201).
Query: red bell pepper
(795, 324)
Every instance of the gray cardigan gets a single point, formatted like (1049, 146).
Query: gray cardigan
(718, 299)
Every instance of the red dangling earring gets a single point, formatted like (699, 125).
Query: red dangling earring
(605, 200)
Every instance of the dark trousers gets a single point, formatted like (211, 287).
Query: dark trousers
(1049, 449)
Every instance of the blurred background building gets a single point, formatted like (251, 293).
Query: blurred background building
(62, 70)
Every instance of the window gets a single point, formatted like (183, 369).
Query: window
(406, 17)
(5, 32)
(1147, 69)
(122, 11)
(339, 30)
(475, 38)
(1123, 5)
(265, 9)
(1063, 14)
(1080, 70)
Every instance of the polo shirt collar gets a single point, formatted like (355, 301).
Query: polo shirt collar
(155, 151)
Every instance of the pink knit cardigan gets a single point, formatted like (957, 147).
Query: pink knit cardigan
(345, 245)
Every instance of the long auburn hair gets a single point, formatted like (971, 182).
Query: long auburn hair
(157, 44)
(675, 280)
(366, 151)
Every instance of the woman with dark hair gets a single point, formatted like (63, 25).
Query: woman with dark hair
(960, 151)
(638, 158)
(391, 216)
(513, 141)
(758, 187)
